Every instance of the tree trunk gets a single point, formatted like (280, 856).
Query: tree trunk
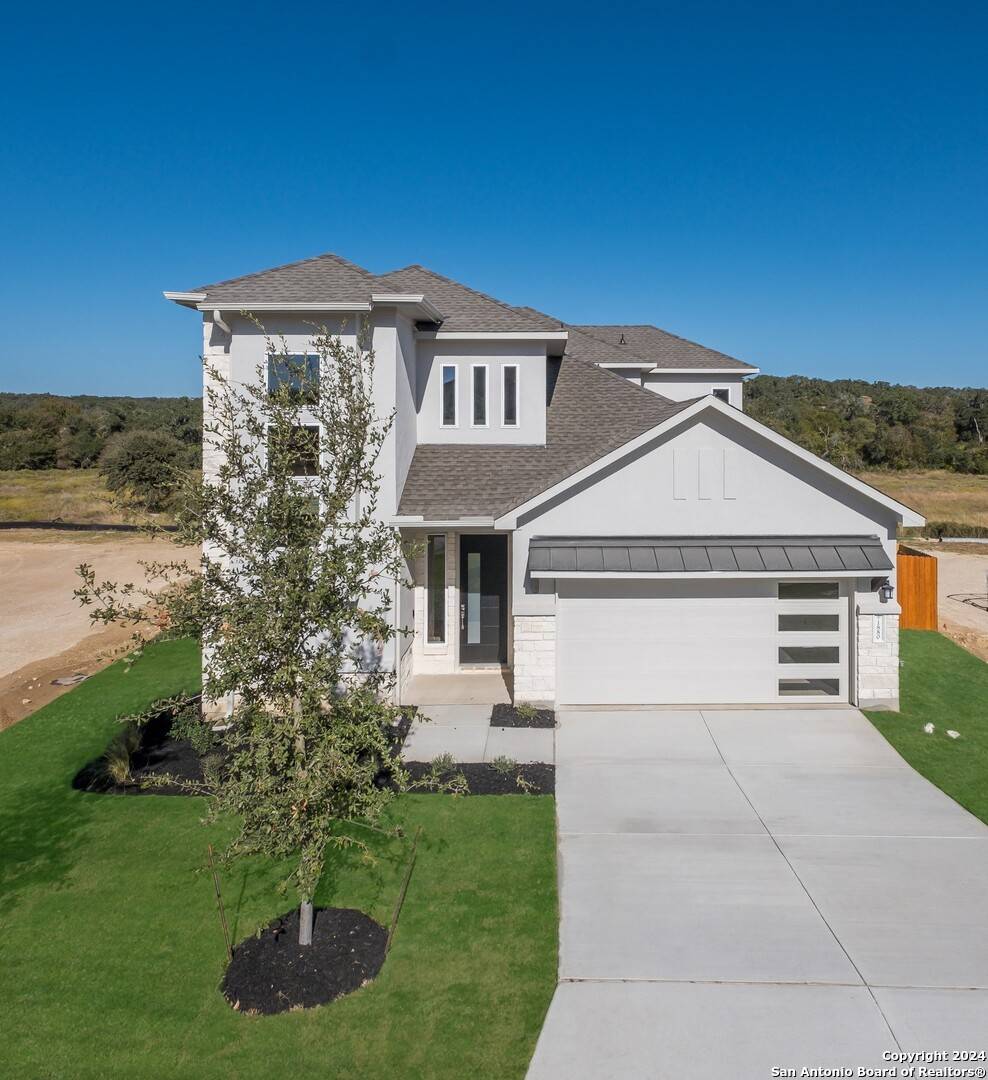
(305, 916)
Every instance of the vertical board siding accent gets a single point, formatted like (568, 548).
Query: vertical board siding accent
(706, 469)
(916, 575)
(678, 474)
(729, 492)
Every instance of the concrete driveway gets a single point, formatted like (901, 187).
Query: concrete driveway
(743, 890)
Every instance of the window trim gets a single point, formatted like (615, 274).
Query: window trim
(429, 641)
(487, 395)
(307, 359)
(726, 389)
(443, 368)
(504, 397)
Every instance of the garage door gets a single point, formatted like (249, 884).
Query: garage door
(688, 642)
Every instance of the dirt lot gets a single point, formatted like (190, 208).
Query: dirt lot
(44, 633)
(962, 577)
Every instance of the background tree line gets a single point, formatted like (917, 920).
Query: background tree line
(44, 431)
(852, 423)
(863, 425)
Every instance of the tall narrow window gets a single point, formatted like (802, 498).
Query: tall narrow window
(448, 400)
(479, 395)
(436, 588)
(509, 395)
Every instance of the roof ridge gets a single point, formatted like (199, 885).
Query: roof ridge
(286, 266)
(460, 285)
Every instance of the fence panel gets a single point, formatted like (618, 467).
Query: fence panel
(916, 572)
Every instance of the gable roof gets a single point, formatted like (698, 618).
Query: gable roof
(662, 349)
(590, 413)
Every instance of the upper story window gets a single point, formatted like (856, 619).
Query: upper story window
(447, 403)
(478, 395)
(509, 395)
(304, 450)
(721, 393)
(298, 372)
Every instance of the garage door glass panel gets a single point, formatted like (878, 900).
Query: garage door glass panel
(809, 624)
(809, 687)
(809, 654)
(809, 590)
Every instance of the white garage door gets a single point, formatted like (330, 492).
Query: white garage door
(689, 642)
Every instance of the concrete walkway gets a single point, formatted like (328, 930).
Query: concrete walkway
(465, 732)
(749, 890)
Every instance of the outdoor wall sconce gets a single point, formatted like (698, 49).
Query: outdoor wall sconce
(885, 591)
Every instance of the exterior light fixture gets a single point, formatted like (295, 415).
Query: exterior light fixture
(885, 591)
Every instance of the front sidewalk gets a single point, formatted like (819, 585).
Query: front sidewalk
(465, 732)
(750, 889)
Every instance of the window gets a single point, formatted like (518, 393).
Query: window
(509, 395)
(447, 405)
(809, 654)
(809, 590)
(809, 624)
(304, 450)
(809, 687)
(722, 393)
(479, 395)
(435, 572)
(296, 372)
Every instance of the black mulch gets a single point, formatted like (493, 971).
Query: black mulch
(483, 779)
(271, 972)
(160, 755)
(508, 716)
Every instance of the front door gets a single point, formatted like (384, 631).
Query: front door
(483, 599)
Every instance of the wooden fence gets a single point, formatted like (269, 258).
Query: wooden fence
(916, 574)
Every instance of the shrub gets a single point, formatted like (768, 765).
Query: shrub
(144, 466)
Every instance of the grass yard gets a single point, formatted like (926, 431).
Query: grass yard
(939, 495)
(944, 685)
(111, 952)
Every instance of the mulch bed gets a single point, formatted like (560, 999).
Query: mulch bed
(483, 779)
(508, 716)
(271, 972)
(160, 755)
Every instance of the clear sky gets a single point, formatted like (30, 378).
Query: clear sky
(803, 186)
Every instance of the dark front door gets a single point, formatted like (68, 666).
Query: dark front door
(483, 599)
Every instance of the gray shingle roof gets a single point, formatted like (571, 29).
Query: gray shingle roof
(311, 281)
(464, 309)
(330, 279)
(591, 412)
(664, 350)
(707, 554)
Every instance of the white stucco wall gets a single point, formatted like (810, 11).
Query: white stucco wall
(686, 387)
(714, 478)
(530, 359)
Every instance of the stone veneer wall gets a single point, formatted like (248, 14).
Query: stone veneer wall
(877, 663)
(535, 658)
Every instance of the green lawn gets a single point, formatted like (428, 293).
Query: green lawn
(944, 685)
(111, 953)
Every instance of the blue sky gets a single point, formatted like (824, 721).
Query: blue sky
(802, 186)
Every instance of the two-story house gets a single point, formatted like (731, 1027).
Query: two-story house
(596, 514)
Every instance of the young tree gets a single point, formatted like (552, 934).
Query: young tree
(292, 602)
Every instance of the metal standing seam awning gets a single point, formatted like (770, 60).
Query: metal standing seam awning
(739, 556)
